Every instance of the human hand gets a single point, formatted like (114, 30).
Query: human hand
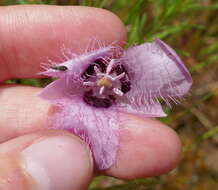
(33, 157)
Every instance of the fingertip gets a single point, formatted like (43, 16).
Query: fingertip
(58, 162)
(114, 26)
(46, 160)
(147, 148)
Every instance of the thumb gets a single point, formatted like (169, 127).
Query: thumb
(45, 161)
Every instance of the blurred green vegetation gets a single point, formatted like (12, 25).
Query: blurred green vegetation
(191, 27)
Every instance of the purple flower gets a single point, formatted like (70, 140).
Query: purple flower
(93, 88)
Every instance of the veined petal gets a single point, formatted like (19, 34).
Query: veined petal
(155, 71)
(97, 127)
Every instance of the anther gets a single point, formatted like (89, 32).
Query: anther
(110, 66)
(101, 91)
(97, 71)
(117, 91)
(88, 83)
(119, 76)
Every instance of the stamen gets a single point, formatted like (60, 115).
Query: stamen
(97, 71)
(101, 74)
(106, 76)
(117, 91)
(88, 83)
(119, 76)
(101, 91)
(110, 66)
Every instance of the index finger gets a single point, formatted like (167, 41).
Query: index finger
(32, 34)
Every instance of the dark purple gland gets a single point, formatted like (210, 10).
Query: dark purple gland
(96, 101)
(90, 70)
(125, 81)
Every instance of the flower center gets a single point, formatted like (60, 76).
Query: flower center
(104, 83)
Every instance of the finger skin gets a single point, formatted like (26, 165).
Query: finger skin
(32, 34)
(147, 147)
(21, 111)
(11, 176)
(28, 162)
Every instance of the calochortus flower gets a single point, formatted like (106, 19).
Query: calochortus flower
(94, 87)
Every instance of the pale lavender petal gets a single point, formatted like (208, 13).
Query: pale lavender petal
(60, 90)
(76, 66)
(97, 127)
(145, 110)
(156, 71)
(53, 73)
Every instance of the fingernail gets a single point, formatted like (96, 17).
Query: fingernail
(58, 163)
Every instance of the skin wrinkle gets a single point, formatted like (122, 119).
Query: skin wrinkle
(3, 20)
(14, 23)
(75, 17)
(20, 144)
(31, 22)
(11, 22)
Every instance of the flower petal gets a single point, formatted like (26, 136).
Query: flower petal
(147, 110)
(155, 71)
(96, 126)
(76, 66)
(60, 91)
